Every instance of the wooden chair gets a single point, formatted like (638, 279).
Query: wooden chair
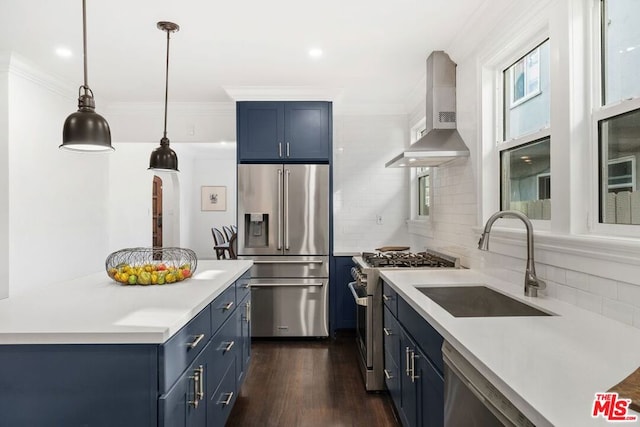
(228, 232)
(221, 244)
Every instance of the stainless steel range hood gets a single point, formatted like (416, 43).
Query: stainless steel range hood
(441, 142)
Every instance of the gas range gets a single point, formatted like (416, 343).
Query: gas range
(366, 270)
(367, 293)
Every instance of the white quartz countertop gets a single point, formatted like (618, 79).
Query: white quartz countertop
(550, 367)
(96, 310)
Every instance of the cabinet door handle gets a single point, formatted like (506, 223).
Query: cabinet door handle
(385, 298)
(229, 346)
(413, 366)
(228, 306)
(406, 354)
(196, 341)
(246, 286)
(247, 312)
(196, 387)
(200, 394)
(288, 152)
(387, 332)
(387, 374)
(227, 400)
(279, 149)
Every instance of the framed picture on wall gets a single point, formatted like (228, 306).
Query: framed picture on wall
(213, 198)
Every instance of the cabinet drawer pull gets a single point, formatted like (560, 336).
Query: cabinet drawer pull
(387, 374)
(227, 400)
(228, 306)
(387, 332)
(229, 346)
(386, 298)
(196, 341)
(246, 286)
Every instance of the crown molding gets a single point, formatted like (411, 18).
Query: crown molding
(283, 93)
(190, 108)
(16, 65)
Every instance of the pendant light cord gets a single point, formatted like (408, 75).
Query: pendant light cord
(166, 87)
(84, 46)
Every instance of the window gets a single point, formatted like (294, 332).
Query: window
(424, 187)
(619, 148)
(620, 50)
(526, 93)
(526, 180)
(618, 120)
(525, 160)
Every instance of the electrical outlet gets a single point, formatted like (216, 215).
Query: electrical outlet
(379, 219)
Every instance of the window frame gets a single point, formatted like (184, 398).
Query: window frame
(527, 96)
(502, 144)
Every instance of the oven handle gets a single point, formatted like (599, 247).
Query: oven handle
(361, 301)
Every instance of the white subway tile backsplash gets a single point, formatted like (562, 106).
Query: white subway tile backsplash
(618, 311)
(566, 294)
(629, 293)
(589, 301)
(558, 275)
(578, 280)
(604, 287)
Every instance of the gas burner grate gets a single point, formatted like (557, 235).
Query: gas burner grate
(405, 259)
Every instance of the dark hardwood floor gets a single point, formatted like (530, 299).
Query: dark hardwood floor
(308, 383)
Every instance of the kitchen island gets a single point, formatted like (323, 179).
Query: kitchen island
(549, 367)
(92, 352)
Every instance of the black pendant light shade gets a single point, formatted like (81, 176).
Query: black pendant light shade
(86, 130)
(164, 158)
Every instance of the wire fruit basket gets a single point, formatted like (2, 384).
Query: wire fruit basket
(151, 266)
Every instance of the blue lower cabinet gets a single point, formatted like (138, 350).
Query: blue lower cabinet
(412, 349)
(79, 385)
(243, 316)
(185, 404)
(343, 307)
(221, 400)
(430, 391)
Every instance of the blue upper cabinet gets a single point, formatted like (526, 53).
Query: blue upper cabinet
(284, 131)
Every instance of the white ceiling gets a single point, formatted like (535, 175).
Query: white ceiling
(374, 51)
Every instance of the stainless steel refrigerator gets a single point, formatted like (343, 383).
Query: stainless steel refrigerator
(283, 226)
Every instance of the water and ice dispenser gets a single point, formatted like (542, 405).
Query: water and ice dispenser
(257, 227)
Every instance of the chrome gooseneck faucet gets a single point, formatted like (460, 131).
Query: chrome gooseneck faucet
(531, 281)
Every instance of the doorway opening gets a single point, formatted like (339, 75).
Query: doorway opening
(156, 215)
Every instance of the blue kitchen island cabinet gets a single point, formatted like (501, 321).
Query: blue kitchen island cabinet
(413, 363)
(191, 379)
(284, 131)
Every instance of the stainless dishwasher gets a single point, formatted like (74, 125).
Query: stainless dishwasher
(470, 400)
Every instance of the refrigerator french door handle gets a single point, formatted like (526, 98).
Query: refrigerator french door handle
(287, 174)
(279, 209)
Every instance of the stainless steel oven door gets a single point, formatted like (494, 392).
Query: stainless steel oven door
(364, 322)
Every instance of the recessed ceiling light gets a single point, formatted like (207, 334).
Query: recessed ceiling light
(64, 52)
(315, 53)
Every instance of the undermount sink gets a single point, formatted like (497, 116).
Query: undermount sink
(478, 301)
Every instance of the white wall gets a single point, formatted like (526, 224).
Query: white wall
(363, 189)
(58, 216)
(210, 165)
(4, 176)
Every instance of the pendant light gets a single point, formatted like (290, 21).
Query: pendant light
(164, 158)
(86, 130)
